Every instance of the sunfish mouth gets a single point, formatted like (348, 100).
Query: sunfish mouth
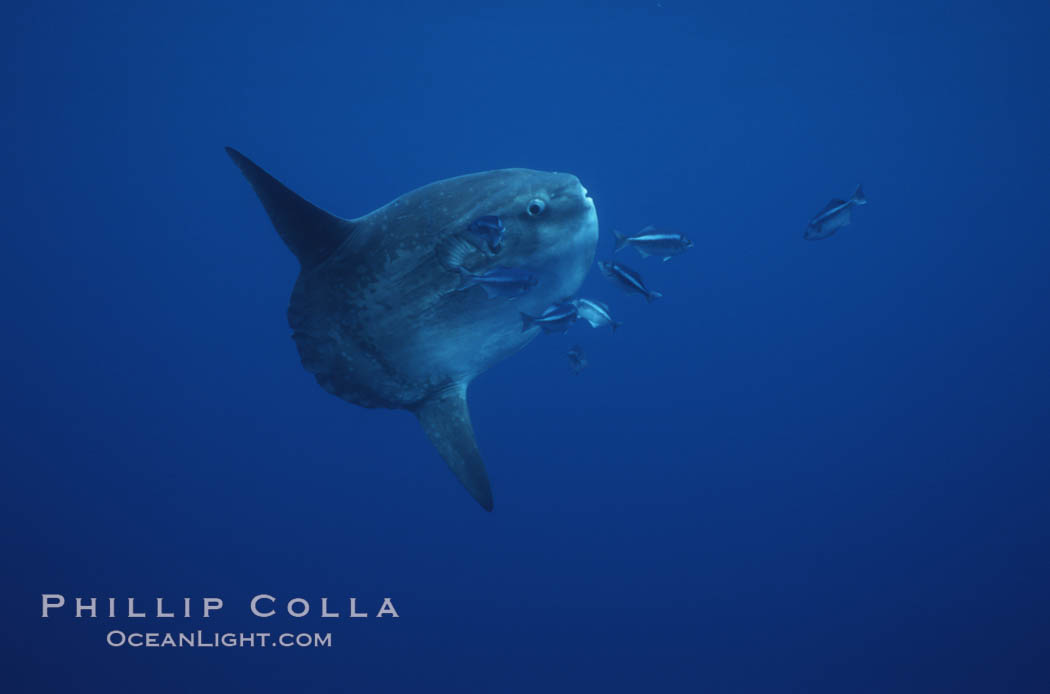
(587, 199)
(578, 191)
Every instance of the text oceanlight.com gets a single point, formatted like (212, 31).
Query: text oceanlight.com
(201, 639)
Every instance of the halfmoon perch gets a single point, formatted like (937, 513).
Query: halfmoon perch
(377, 316)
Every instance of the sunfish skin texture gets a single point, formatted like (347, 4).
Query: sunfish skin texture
(377, 317)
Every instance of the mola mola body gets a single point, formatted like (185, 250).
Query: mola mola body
(376, 314)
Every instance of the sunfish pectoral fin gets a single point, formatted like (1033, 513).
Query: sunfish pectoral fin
(446, 421)
(454, 250)
(309, 232)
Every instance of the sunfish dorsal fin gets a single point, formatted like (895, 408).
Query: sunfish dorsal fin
(309, 232)
(446, 421)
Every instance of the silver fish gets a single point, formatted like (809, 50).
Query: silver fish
(627, 279)
(649, 241)
(488, 231)
(596, 313)
(556, 319)
(481, 240)
(508, 282)
(834, 216)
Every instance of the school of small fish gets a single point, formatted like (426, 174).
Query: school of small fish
(486, 234)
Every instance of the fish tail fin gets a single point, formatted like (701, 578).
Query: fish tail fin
(445, 418)
(466, 279)
(858, 196)
(621, 241)
(615, 324)
(526, 321)
(309, 232)
(653, 296)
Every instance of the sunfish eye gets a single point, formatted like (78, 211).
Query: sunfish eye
(536, 207)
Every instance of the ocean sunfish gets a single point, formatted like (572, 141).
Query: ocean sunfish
(834, 216)
(375, 312)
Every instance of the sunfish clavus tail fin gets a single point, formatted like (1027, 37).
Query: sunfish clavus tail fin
(309, 232)
(446, 421)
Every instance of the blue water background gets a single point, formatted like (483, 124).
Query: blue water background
(810, 467)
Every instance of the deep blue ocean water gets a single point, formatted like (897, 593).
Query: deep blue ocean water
(812, 466)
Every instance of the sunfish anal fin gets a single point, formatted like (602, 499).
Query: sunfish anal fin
(446, 421)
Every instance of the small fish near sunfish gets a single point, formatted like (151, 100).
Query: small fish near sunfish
(506, 282)
(483, 236)
(577, 359)
(834, 216)
(627, 279)
(488, 231)
(596, 313)
(556, 319)
(649, 241)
